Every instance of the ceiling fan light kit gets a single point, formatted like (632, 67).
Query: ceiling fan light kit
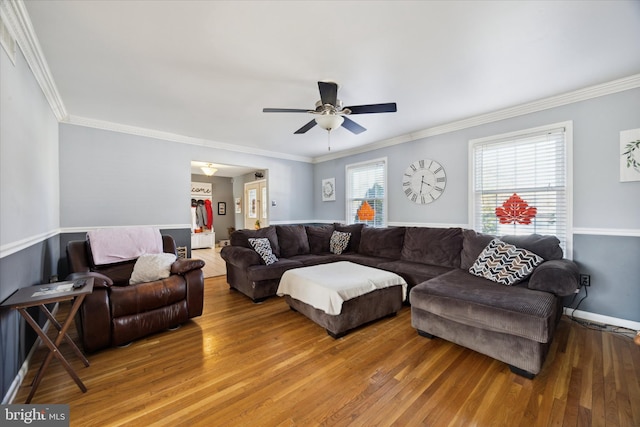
(331, 114)
(209, 170)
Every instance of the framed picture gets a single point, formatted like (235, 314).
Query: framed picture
(329, 190)
(238, 205)
(222, 208)
(630, 155)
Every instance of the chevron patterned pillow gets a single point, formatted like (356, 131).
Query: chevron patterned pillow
(504, 263)
(263, 248)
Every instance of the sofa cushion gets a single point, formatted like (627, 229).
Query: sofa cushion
(258, 273)
(151, 267)
(241, 238)
(435, 246)
(382, 242)
(504, 263)
(472, 244)
(125, 300)
(548, 247)
(292, 240)
(315, 259)
(414, 272)
(263, 248)
(356, 234)
(319, 237)
(339, 242)
(474, 301)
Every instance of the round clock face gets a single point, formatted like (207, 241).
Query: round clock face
(327, 189)
(424, 181)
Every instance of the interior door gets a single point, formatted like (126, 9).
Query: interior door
(256, 209)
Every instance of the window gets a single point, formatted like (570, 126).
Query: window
(366, 193)
(520, 183)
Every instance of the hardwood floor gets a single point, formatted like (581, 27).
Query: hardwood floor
(265, 365)
(214, 264)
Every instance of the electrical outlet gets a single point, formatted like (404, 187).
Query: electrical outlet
(585, 280)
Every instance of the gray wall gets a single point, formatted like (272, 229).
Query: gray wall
(601, 204)
(109, 178)
(29, 202)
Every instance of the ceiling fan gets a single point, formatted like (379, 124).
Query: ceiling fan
(330, 113)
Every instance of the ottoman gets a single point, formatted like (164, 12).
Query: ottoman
(341, 296)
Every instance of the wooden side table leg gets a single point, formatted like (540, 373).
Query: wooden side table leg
(66, 336)
(53, 351)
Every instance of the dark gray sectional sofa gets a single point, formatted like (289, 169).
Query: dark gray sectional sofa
(514, 324)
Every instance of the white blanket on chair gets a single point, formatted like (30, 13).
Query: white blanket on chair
(110, 245)
(327, 286)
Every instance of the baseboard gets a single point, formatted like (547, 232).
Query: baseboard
(600, 318)
(22, 373)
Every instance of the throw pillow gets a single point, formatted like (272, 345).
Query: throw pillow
(339, 241)
(504, 263)
(151, 267)
(263, 248)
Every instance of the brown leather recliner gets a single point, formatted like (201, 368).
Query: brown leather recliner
(117, 313)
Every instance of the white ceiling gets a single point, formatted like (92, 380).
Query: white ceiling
(205, 69)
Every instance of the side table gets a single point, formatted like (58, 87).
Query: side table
(39, 296)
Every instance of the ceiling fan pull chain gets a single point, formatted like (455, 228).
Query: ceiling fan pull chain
(329, 139)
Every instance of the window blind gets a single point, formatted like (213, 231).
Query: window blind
(366, 185)
(534, 168)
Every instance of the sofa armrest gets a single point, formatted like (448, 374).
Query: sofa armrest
(240, 256)
(560, 277)
(184, 265)
(99, 280)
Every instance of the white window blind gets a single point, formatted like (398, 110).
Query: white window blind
(366, 185)
(533, 167)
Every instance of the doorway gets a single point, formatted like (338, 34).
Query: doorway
(256, 212)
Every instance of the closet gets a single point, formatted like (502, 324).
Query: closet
(202, 231)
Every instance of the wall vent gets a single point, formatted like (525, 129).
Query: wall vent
(7, 41)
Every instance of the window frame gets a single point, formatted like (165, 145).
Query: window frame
(385, 199)
(568, 166)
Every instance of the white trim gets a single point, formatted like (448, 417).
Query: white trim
(615, 86)
(622, 232)
(16, 18)
(12, 392)
(600, 318)
(88, 228)
(17, 246)
(168, 136)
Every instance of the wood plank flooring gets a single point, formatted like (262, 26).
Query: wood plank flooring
(214, 264)
(245, 364)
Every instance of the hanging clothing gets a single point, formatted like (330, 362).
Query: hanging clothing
(201, 215)
(207, 206)
(194, 222)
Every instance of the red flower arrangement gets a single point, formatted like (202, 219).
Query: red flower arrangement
(515, 210)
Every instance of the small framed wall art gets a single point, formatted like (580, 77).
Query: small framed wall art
(222, 208)
(238, 203)
(630, 155)
(329, 190)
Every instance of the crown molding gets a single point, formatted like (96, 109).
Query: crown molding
(16, 18)
(168, 136)
(615, 86)
(618, 232)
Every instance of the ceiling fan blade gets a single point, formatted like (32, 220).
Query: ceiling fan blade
(352, 126)
(306, 127)
(373, 108)
(284, 110)
(328, 93)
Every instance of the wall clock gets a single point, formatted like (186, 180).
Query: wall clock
(424, 181)
(328, 189)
